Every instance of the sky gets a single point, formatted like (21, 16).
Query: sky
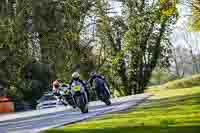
(181, 35)
(116, 7)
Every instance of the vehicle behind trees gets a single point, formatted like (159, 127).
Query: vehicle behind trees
(48, 100)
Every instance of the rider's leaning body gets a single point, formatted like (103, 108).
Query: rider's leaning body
(77, 81)
(99, 80)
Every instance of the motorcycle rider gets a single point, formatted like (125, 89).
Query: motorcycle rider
(100, 82)
(59, 87)
(76, 79)
(56, 87)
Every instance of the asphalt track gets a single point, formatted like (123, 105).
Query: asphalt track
(39, 120)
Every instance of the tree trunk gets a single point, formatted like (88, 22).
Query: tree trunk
(124, 77)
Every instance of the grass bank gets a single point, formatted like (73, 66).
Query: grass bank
(182, 83)
(168, 111)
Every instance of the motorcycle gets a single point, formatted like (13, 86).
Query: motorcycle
(75, 97)
(80, 97)
(67, 97)
(103, 94)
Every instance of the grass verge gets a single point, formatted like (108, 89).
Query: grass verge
(182, 83)
(168, 111)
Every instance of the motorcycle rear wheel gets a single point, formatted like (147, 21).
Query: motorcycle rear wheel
(107, 102)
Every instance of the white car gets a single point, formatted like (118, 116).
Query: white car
(48, 101)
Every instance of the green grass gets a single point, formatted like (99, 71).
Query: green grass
(168, 111)
(182, 83)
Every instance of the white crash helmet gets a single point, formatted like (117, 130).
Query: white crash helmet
(75, 75)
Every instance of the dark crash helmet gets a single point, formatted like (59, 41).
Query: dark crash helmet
(93, 74)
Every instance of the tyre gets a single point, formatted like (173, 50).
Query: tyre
(84, 109)
(72, 103)
(107, 102)
(82, 104)
(64, 102)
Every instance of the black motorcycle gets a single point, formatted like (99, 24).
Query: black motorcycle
(103, 94)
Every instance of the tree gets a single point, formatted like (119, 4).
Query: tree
(194, 23)
(111, 60)
(192, 44)
(54, 41)
(161, 75)
(60, 24)
(146, 40)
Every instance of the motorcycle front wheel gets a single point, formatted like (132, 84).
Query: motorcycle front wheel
(82, 104)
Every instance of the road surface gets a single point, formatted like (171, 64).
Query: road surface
(40, 120)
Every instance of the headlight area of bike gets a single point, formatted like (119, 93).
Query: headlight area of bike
(65, 92)
(77, 89)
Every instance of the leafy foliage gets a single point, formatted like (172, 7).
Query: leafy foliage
(126, 49)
